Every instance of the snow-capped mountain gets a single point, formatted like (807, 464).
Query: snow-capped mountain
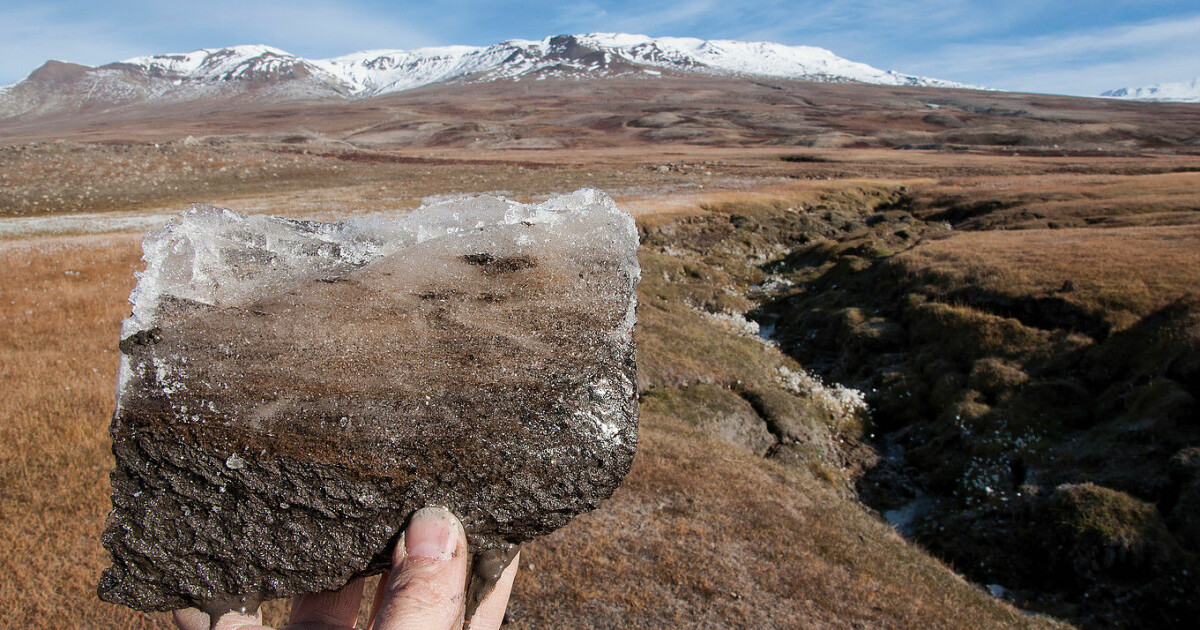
(382, 71)
(270, 73)
(1182, 92)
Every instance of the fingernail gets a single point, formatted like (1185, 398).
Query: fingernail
(432, 533)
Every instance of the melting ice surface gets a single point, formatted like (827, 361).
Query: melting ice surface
(221, 257)
(226, 260)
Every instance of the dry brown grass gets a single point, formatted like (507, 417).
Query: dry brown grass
(60, 305)
(1077, 199)
(701, 535)
(1121, 273)
(65, 178)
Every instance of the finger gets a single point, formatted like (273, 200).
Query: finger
(191, 619)
(194, 619)
(380, 591)
(329, 610)
(240, 621)
(490, 613)
(428, 583)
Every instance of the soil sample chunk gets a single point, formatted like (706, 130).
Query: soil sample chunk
(291, 392)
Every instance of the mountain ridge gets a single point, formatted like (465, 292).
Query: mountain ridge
(262, 71)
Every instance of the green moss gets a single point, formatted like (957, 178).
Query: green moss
(679, 346)
(694, 404)
(790, 417)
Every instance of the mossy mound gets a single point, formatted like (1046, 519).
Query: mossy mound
(1097, 530)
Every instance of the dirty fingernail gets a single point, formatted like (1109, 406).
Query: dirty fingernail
(432, 533)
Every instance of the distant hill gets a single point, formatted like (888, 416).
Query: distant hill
(266, 73)
(1179, 92)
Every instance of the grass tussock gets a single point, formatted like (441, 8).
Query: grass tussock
(1058, 200)
(1119, 274)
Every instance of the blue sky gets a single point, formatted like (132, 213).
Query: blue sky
(1067, 47)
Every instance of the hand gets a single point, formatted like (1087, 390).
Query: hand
(425, 589)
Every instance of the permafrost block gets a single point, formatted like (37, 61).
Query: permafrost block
(291, 392)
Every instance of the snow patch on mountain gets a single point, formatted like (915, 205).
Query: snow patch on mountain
(214, 63)
(374, 72)
(753, 58)
(1180, 92)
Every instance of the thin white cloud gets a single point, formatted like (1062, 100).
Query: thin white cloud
(1082, 63)
(305, 27)
(315, 28)
(32, 35)
(880, 24)
(573, 16)
(664, 18)
(1099, 77)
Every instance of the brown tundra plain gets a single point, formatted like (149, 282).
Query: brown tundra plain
(908, 358)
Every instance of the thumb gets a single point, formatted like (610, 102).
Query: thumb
(427, 586)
